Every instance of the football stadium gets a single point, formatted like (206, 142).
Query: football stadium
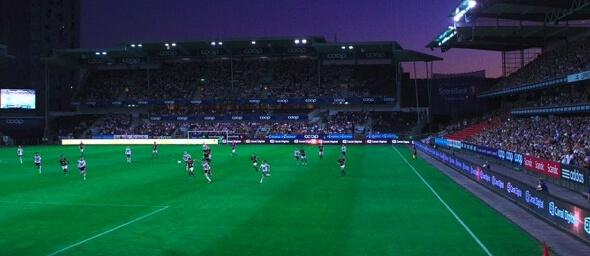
(298, 145)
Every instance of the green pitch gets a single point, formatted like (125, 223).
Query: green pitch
(385, 205)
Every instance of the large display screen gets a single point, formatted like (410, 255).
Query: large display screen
(17, 99)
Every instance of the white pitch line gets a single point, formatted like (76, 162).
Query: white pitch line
(75, 204)
(446, 205)
(108, 231)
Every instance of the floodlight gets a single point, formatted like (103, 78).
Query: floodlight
(213, 43)
(132, 45)
(296, 41)
(343, 47)
(350, 47)
(471, 4)
(220, 43)
(104, 53)
(139, 45)
(304, 41)
(253, 42)
(173, 44)
(97, 53)
(167, 44)
(458, 16)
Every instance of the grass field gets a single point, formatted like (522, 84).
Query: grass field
(387, 204)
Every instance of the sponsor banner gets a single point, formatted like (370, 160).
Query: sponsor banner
(20, 123)
(252, 51)
(402, 142)
(213, 52)
(338, 55)
(339, 136)
(130, 136)
(509, 156)
(229, 118)
(454, 143)
(381, 100)
(139, 141)
(544, 166)
(574, 173)
(381, 136)
(375, 55)
(577, 108)
(441, 142)
(453, 93)
(298, 50)
(377, 141)
(570, 217)
(131, 60)
(281, 136)
(103, 136)
(491, 152)
(578, 77)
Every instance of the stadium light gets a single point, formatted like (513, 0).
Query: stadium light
(343, 47)
(296, 41)
(173, 44)
(350, 47)
(253, 42)
(167, 44)
(132, 45)
(220, 43)
(471, 4)
(304, 41)
(139, 45)
(104, 53)
(97, 53)
(213, 43)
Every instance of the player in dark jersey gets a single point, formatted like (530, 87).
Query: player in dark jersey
(342, 163)
(82, 147)
(190, 165)
(254, 159)
(303, 156)
(233, 150)
(63, 161)
(414, 153)
(321, 151)
(155, 150)
(207, 156)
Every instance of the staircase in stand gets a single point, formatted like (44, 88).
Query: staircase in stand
(475, 129)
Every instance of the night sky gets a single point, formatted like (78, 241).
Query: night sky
(412, 23)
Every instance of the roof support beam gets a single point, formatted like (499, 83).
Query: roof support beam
(558, 14)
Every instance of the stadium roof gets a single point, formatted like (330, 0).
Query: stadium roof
(509, 25)
(139, 52)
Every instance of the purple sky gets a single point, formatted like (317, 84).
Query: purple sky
(412, 23)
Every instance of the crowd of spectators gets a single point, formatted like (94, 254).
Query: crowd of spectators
(112, 124)
(565, 60)
(251, 78)
(554, 97)
(155, 129)
(565, 139)
(70, 127)
(345, 121)
(398, 122)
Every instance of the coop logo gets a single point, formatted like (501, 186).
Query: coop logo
(15, 121)
(169, 102)
(264, 117)
(335, 56)
(210, 52)
(196, 101)
(375, 55)
(339, 100)
(237, 117)
(587, 225)
(210, 118)
(168, 53)
(252, 51)
(311, 136)
(131, 61)
(389, 99)
(282, 100)
(293, 117)
(142, 102)
(96, 61)
(501, 154)
(368, 99)
(296, 50)
(254, 101)
(155, 118)
(518, 158)
(181, 118)
(116, 102)
(311, 100)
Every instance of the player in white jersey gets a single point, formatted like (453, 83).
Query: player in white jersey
(343, 149)
(186, 156)
(19, 153)
(297, 155)
(82, 166)
(128, 154)
(265, 169)
(37, 160)
(206, 170)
